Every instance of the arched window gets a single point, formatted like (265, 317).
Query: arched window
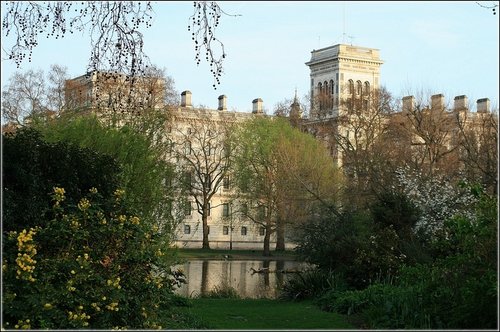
(325, 88)
(367, 88)
(359, 87)
(320, 92)
(244, 231)
(351, 87)
(331, 87)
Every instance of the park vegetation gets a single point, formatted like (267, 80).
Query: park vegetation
(415, 243)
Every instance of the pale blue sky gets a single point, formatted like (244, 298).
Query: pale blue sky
(434, 47)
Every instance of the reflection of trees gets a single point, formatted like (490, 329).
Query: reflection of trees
(266, 275)
(280, 266)
(204, 277)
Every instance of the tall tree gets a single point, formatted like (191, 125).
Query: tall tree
(478, 146)
(277, 176)
(24, 96)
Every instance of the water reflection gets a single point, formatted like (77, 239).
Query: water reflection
(204, 276)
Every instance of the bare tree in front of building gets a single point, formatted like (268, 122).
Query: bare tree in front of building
(203, 149)
(478, 146)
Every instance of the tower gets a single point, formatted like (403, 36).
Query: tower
(339, 73)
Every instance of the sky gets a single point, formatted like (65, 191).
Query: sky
(431, 47)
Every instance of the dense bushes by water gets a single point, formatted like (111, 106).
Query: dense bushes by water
(448, 280)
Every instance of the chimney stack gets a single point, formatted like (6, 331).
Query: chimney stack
(461, 103)
(222, 103)
(437, 101)
(483, 105)
(186, 99)
(257, 106)
(408, 104)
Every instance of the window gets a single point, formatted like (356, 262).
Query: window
(243, 230)
(351, 87)
(359, 86)
(332, 87)
(367, 88)
(225, 209)
(262, 231)
(225, 183)
(187, 229)
(188, 208)
(189, 131)
(225, 230)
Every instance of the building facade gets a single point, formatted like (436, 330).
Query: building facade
(344, 86)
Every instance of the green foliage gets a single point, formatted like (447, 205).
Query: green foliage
(32, 167)
(145, 176)
(311, 284)
(95, 264)
(458, 290)
(346, 245)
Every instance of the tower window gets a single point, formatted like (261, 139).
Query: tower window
(367, 88)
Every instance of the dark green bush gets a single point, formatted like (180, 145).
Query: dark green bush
(458, 290)
(311, 284)
(32, 167)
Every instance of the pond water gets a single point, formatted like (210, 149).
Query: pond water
(204, 276)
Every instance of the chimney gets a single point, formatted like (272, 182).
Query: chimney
(461, 103)
(222, 103)
(408, 104)
(257, 106)
(186, 99)
(483, 105)
(437, 102)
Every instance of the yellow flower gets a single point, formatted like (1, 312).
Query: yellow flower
(58, 194)
(93, 190)
(134, 220)
(84, 204)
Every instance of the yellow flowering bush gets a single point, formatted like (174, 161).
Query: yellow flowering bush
(86, 268)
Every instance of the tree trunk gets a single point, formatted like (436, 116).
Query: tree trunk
(204, 219)
(280, 235)
(267, 238)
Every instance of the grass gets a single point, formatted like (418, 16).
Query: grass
(184, 253)
(264, 314)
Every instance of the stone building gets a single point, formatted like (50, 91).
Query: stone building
(197, 135)
(344, 90)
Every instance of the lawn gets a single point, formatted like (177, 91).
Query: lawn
(264, 314)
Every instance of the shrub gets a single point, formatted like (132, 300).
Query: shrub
(311, 284)
(32, 167)
(95, 264)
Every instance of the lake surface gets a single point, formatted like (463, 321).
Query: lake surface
(204, 276)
